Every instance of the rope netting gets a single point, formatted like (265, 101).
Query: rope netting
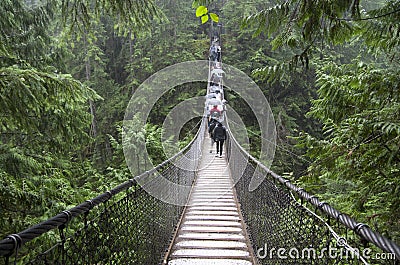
(125, 225)
(289, 226)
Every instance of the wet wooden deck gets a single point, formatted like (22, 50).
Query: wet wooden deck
(212, 230)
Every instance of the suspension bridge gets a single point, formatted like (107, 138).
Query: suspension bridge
(222, 221)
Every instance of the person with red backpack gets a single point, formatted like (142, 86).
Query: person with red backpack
(215, 113)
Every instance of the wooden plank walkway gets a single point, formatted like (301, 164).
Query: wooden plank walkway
(212, 231)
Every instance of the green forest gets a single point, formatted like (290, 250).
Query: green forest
(329, 69)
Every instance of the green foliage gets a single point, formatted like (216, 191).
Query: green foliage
(48, 163)
(56, 100)
(304, 19)
(44, 121)
(288, 93)
(268, 20)
(23, 36)
(197, 3)
(352, 49)
(381, 31)
(154, 144)
(202, 12)
(303, 26)
(214, 17)
(134, 14)
(45, 124)
(35, 187)
(358, 105)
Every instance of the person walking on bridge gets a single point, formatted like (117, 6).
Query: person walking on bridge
(219, 136)
(214, 113)
(211, 128)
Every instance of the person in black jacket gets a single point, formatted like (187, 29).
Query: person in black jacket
(219, 136)
(211, 128)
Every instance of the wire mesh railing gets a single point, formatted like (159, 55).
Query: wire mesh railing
(289, 226)
(125, 225)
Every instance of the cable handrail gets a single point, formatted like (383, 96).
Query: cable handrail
(360, 229)
(13, 242)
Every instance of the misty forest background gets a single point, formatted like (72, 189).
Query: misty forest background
(330, 70)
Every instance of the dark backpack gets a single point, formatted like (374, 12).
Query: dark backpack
(219, 133)
(212, 127)
(213, 50)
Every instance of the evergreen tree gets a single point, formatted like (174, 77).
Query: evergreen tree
(355, 161)
(44, 112)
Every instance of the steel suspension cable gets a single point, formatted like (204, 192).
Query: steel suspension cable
(360, 229)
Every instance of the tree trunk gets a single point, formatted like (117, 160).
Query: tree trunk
(131, 43)
(93, 127)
